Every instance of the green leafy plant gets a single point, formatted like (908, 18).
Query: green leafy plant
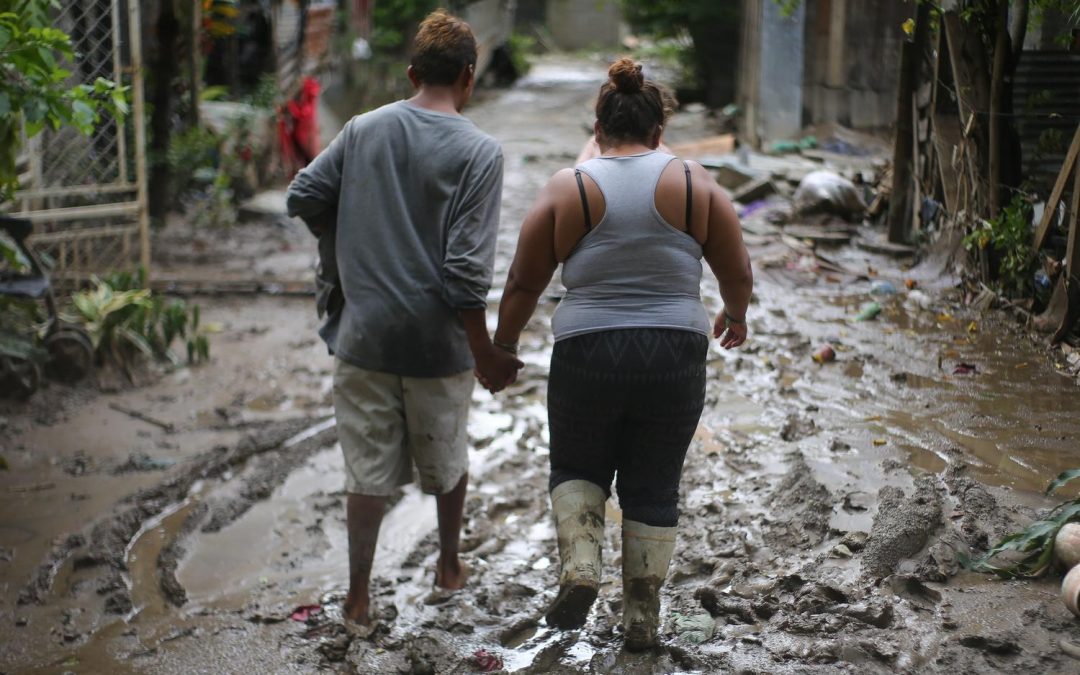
(125, 320)
(518, 46)
(1007, 240)
(1035, 544)
(34, 87)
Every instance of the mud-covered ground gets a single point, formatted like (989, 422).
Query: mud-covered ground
(823, 505)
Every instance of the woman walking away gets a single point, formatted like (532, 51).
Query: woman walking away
(627, 382)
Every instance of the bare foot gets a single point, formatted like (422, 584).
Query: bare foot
(451, 574)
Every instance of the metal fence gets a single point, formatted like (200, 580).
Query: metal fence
(87, 194)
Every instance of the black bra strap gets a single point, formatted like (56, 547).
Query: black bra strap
(689, 194)
(584, 199)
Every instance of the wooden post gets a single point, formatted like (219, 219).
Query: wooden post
(1055, 194)
(1072, 262)
(139, 120)
(900, 199)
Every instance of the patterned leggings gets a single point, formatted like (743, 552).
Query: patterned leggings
(624, 405)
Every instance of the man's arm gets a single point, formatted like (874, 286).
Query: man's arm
(313, 193)
(467, 270)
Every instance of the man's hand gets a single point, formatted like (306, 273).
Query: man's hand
(496, 369)
(731, 333)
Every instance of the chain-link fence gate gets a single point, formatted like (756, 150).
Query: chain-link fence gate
(87, 194)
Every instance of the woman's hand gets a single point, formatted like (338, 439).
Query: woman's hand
(497, 369)
(731, 333)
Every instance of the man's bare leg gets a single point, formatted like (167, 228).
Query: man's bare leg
(449, 573)
(363, 514)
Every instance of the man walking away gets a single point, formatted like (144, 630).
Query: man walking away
(412, 191)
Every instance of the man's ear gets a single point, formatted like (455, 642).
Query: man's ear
(411, 73)
(467, 75)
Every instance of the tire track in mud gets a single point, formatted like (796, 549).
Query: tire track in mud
(99, 557)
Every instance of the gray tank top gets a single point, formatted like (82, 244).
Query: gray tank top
(632, 269)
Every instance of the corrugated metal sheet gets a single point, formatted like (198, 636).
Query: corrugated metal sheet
(1046, 101)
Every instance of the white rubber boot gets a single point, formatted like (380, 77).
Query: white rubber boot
(578, 506)
(646, 555)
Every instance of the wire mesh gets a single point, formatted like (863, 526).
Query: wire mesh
(86, 193)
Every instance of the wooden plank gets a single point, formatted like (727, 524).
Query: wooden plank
(946, 137)
(81, 212)
(1072, 264)
(1055, 194)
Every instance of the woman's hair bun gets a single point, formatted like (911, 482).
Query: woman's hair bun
(626, 76)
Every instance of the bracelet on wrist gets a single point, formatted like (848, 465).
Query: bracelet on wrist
(508, 347)
(731, 319)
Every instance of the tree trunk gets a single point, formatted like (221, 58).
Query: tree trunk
(164, 71)
(997, 96)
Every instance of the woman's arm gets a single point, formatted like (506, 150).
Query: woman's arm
(534, 264)
(727, 257)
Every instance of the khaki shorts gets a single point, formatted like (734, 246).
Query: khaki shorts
(387, 423)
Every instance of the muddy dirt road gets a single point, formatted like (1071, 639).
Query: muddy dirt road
(822, 504)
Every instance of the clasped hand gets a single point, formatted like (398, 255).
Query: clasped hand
(497, 369)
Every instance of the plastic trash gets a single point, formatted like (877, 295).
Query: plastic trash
(696, 628)
(965, 369)
(920, 300)
(827, 192)
(486, 661)
(868, 311)
(305, 612)
(882, 287)
(824, 354)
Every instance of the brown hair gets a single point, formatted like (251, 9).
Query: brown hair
(630, 107)
(444, 46)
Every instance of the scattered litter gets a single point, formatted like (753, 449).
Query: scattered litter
(882, 287)
(827, 192)
(1021, 365)
(789, 147)
(964, 369)
(305, 612)
(868, 311)
(486, 661)
(754, 191)
(753, 207)
(944, 317)
(696, 628)
(919, 299)
(973, 327)
(879, 441)
(824, 354)
(910, 284)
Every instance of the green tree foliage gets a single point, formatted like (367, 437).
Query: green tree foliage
(713, 28)
(35, 91)
(395, 22)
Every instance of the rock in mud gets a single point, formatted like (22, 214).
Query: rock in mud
(901, 527)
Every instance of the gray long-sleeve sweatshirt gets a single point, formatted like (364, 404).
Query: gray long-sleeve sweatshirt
(416, 195)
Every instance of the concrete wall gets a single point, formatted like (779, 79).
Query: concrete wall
(585, 24)
(770, 89)
(852, 61)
